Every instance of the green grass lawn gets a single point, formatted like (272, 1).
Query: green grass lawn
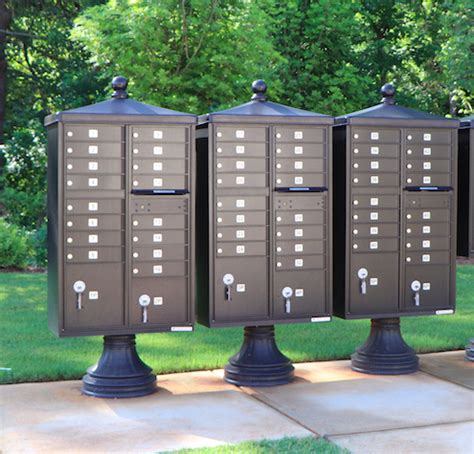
(289, 445)
(35, 354)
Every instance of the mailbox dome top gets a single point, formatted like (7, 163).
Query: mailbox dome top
(120, 105)
(390, 113)
(259, 106)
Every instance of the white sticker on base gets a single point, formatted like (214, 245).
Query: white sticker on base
(320, 319)
(444, 311)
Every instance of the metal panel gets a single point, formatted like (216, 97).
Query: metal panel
(94, 182)
(375, 179)
(241, 203)
(93, 166)
(240, 248)
(375, 216)
(301, 262)
(300, 232)
(375, 164)
(375, 201)
(158, 134)
(299, 134)
(241, 233)
(427, 229)
(428, 151)
(109, 222)
(94, 205)
(241, 150)
(300, 165)
(427, 244)
(232, 180)
(428, 179)
(96, 150)
(374, 151)
(159, 236)
(250, 218)
(239, 165)
(92, 133)
(285, 180)
(427, 165)
(159, 221)
(158, 182)
(301, 150)
(427, 257)
(94, 254)
(427, 136)
(375, 135)
(240, 134)
(303, 217)
(160, 151)
(148, 269)
(159, 253)
(376, 231)
(364, 245)
(96, 238)
(301, 247)
(159, 166)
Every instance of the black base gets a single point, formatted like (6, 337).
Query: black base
(385, 352)
(469, 355)
(259, 362)
(119, 372)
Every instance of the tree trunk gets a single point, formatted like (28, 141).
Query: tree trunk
(5, 20)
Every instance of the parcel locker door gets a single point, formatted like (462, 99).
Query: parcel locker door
(241, 289)
(93, 296)
(426, 288)
(374, 284)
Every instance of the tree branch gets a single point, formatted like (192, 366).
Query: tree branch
(21, 34)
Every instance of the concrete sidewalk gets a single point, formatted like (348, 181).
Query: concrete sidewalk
(428, 412)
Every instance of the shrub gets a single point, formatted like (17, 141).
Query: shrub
(39, 246)
(14, 246)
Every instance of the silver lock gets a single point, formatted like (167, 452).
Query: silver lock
(416, 287)
(362, 275)
(79, 287)
(287, 293)
(144, 301)
(228, 280)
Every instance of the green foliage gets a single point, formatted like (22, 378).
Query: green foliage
(196, 57)
(14, 246)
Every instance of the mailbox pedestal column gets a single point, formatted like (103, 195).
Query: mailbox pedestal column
(385, 352)
(470, 350)
(119, 372)
(259, 362)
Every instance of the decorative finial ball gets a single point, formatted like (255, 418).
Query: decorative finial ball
(388, 91)
(119, 83)
(259, 86)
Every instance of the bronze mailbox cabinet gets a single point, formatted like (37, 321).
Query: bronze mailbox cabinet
(394, 212)
(120, 209)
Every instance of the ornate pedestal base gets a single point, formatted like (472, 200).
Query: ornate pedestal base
(119, 372)
(385, 352)
(259, 362)
(469, 355)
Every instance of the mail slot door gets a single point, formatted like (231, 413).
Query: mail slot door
(244, 164)
(299, 232)
(159, 166)
(240, 134)
(427, 229)
(428, 244)
(159, 221)
(246, 218)
(375, 201)
(428, 151)
(376, 231)
(241, 248)
(374, 216)
(375, 135)
(427, 257)
(428, 214)
(159, 133)
(166, 268)
(159, 253)
(241, 289)
(374, 281)
(300, 262)
(375, 151)
(299, 217)
(299, 294)
(159, 151)
(241, 150)
(94, 206)
(168, 302)
(298, 134)
(301, 150)
(177, 237)
(427, 136)
(375, 180)
(241, 180)
(428, 179)
(95, 222)
(100, 302)
(300, 165)
(94, 166)
(94, 254)
(376, 164)
(426, 287)
(362, 245)
(88, 239)
(96, 150)
(427, 165)
(309, 247)
(160, 182)
(92, 133)
(241, 203)
(289, 180)
(242, 234)
(94, 182)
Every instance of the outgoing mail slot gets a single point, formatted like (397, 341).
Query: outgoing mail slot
(375, 231)
(375, 135)
(160, 205)
(427, 166)
(375, 179)
(300, 165)
(244, 219)
(290, 180)
(300, 202)
(160, 151)
(300, 262)
(241, 203)
(374, 244)
(159, 253)
(241, 150)
(168, 301)
(374, 151)
(159, 236)
(241, 165)
(159, 166)
(241, 248)
(375, 201)
(300, 247)
(102, 303)
(93, 166)
(148, 269)
(240, 180)
(427, 257)
(302, 217)
(427, 179)
(301, 150)
(427, 229)
(93, 150)
(159, 221)
(96, 238)
(297, 134)
(428, 200)
(110, 222)
(242, 234)
(158, 182)
(94, 182)
(427, 151)
(427, 136)
(309, 293)
(427, 244)
(91, 206)
(374, 216)
(240, 134)
(94, 254)
(159, 134)
(428, 215)
(375, 165)
(92, 133)
(434, 287)
(248, 292)
(296, 232)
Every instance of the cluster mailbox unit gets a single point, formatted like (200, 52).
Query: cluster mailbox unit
(395, 230)
(263, 222)
(120, 177)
